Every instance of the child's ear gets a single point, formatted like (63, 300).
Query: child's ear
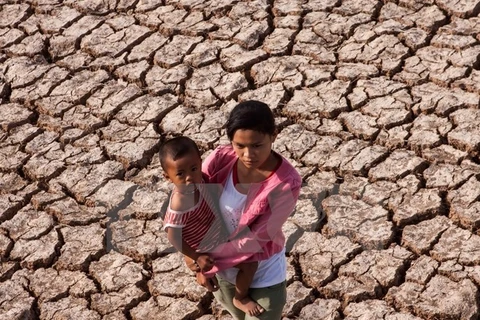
(167, 177)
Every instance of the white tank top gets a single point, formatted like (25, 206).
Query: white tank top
(271, 271)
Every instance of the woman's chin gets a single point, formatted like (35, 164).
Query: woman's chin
(251, 164)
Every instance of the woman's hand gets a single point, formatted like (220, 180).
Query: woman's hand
(205, 263)
(210, 283)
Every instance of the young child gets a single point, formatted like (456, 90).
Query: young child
(191, 224)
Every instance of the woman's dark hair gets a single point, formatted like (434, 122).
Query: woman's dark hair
(251, 115)
(176, 148)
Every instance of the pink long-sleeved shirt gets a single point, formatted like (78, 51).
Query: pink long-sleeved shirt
(268, 205)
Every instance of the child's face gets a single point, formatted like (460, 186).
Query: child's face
(184, 172)
(253, 148)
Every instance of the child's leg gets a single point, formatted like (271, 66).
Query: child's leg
(245, 274)
(242, 301)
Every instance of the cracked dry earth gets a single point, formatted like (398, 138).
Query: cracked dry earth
(378, 108)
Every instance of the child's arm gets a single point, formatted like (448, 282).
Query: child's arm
(202, 260)
(181, 203)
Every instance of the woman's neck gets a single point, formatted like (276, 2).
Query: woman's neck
(248, 175)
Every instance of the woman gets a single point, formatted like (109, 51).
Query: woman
(260, 190)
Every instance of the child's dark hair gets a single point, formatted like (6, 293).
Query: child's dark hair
(252, 115)
(176, 148)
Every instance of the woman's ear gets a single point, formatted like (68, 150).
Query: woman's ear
(273, 137)
(275, 134)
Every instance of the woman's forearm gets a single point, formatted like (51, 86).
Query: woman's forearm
(251, 245)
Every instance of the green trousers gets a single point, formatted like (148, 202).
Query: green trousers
(272, 299)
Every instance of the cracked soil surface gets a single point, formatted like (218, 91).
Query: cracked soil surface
(378, 108)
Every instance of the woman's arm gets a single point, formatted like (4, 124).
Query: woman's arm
(263, 230)
(211, 284)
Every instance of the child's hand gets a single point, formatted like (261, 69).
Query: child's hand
(205, 263)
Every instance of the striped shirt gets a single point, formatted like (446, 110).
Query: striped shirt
(201, 229)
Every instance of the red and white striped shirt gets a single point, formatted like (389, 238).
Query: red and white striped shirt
(201, 228)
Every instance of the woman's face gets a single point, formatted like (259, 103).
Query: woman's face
(253, 148)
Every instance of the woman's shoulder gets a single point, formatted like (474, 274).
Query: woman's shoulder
(219, 160)
(285, 177)
(224, 149)
(220, 154)
(287, 172)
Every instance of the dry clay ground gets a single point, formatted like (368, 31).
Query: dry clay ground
(378, 106)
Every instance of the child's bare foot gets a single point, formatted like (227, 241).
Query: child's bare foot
(248, 306)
